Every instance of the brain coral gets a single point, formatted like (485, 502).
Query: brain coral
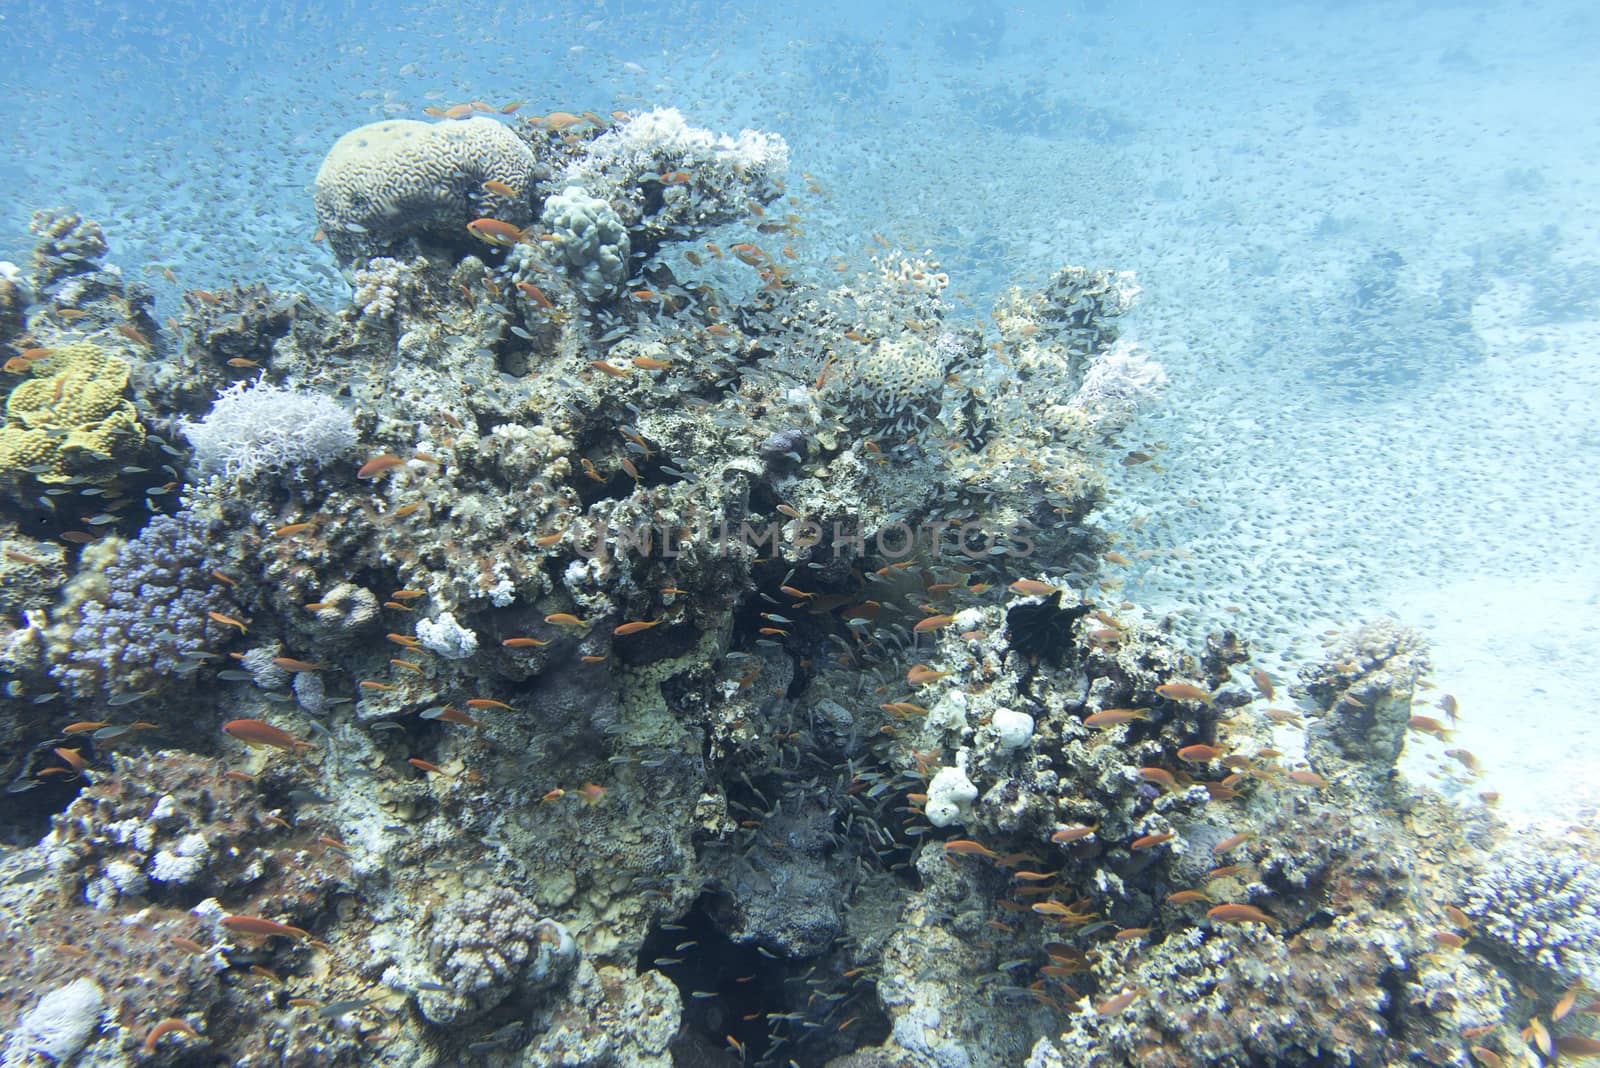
(390, 180)
(72, 420)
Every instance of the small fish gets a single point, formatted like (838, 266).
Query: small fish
(634, 628)
(594, 794)
(1540, 1035)
(1240, 914)
(255, 925)
(425, 765)
(1150, 841)
(1201, 754)
(1233, 841)
(255, 733)
(933, 623)
(291, 529)
(1307, 777)
(1577, 1046)
(1183, 691)
(496, 232)
(340, 1008)
(1113, 717)
(447, 714)
(1488, 1057)
(485, 702)
(1187, 897)
(565, 619)
(226, 621)
(1263, 683)
(1567, 1002)
(378, 465)
(1449, 939)
(1428, 725)
(535, 294)
(922, 674)
(83, 727)
(500, 189)
(523, 643)
(1465, 758)
(164, 1028)
(1112, 1006)
(1032, 588)
(289, 663)
(1073, 834)
(1160, 777)
(610, 369)
(966, 847)
(647, 363)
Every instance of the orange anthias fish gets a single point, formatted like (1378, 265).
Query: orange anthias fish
(969, 848)
(254, 925)
(378, 465)
(496, 232)
(1240, 914)
(1183, 691)
(255, 733)
(1113, 717)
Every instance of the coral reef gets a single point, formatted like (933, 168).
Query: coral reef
(619, 642)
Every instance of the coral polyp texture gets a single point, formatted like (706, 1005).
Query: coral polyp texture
(389, 180)
(618, 638)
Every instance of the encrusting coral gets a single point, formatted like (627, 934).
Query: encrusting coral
(71, 417)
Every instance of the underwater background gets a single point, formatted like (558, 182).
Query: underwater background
(1259, 340)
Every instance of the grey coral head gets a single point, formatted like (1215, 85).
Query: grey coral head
(387, 181)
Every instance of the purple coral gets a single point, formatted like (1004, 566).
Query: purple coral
(153, 621)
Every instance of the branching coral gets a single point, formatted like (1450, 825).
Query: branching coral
(261, 428)
(152, 626)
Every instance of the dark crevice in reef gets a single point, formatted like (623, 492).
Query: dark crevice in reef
(773, 1010)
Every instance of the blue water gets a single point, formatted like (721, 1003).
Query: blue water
(1366, 235)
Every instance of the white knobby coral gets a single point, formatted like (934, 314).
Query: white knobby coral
(378, 283)
(256, 428)
(592, 241)
(58, 1026)
(447, 637)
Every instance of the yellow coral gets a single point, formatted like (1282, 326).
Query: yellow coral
(71, 418)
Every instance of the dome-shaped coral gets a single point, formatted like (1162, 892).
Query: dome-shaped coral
(390, 180)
